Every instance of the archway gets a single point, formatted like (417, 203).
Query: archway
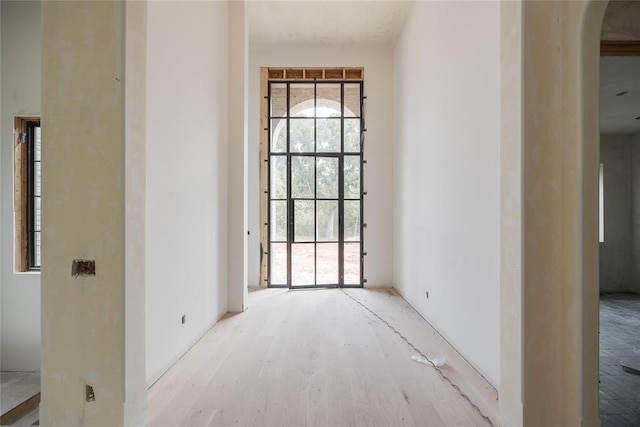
(549, 213)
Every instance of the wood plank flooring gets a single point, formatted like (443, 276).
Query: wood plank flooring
(19, 395)
(317, 358)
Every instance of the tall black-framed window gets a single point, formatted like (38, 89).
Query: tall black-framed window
(315, 192)
(34, 194)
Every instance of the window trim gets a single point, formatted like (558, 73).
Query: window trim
(308, 74)
(24, 214)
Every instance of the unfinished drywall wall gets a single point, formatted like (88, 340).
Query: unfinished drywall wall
(187, 176)
(447, 173)
(555, 212)
(615, 251)
(135, 357)
(237, 161)
(378, 87)
(511, 215)
(20, 81)
(83, 212)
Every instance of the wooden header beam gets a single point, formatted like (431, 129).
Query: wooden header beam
(342, 73)
(620, 48)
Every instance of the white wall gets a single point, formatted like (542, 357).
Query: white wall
(615, 251)
(237, 161)
(378, 151)
(20, 80)
(447, 173)
(135, 144)
(186, 269)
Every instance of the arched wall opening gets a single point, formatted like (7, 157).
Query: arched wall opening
(549, 212)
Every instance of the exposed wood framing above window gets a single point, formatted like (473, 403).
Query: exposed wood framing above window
(341, 73)
(20, 163)
(619, 48)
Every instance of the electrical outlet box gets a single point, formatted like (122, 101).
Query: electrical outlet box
(89, 395)
(83, 267)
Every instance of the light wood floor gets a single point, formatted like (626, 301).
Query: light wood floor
(16, 387)
(317, 358)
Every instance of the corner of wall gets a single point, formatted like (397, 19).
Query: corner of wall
(187, 176)
(511, 214)
(447, 174)
(238, 47)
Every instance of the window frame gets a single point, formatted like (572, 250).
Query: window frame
(25, 219)
(300, 74)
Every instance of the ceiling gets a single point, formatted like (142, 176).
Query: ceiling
(330, 23)
(618, 113)
(344, 24)
(621, 21)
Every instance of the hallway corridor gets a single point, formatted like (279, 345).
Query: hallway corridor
(319, 358)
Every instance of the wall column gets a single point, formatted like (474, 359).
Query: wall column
(135, 68)
(238, 162)
(511, 325)
(92, 144)
(555, 300)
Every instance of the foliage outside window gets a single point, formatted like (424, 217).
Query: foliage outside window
(305, 172)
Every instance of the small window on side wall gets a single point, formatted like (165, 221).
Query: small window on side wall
(27, 193)
(601, 204)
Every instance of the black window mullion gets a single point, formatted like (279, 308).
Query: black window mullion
(341, 193)
(315, 182)
(362, 183)
(290, 209)
(268, 160)
(32, 249)
(30, 192)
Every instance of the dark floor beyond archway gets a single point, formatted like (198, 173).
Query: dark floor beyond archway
(619, 344)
